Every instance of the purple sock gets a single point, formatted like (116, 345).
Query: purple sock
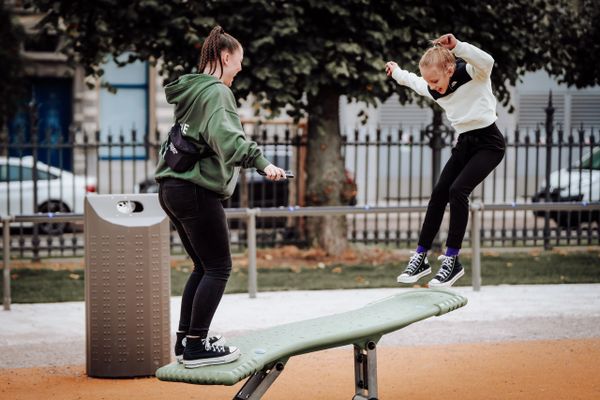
(451, 251)
(421, 249)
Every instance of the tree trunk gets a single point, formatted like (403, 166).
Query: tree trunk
(325, 172)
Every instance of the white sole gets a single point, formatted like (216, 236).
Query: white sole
(412, 279)
(433, 284)
(213, 361)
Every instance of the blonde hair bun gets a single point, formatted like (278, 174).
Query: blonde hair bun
(438, 56)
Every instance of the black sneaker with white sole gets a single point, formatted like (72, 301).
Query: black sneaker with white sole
(418, 266)
(181, 341)
(199, 352)
(449, 272)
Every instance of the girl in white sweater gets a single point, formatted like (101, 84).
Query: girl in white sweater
(456, 75)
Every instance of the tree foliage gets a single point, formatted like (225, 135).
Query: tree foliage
(294, 48)
(581, 47)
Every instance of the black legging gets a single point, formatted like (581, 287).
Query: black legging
(475, 155)
(199, 218)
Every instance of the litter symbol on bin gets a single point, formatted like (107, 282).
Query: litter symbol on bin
(129, 206)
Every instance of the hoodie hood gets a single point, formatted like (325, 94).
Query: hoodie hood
(184, 91)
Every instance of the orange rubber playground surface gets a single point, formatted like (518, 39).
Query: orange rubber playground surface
(528, 370)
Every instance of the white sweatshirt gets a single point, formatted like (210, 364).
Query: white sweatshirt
(469, 102)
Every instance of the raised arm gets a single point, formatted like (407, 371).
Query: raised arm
(408, 79)
(481, 63)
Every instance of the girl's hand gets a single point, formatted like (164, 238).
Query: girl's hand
(390, 66)
(448, 41)
(274, 173)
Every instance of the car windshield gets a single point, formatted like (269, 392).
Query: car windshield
(592, 161)
(17, 173)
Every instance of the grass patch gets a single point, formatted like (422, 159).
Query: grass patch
(45, 285)
(547, 268)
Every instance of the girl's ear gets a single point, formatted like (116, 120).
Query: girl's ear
(225, 57)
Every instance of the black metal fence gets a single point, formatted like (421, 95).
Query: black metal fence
(388, 167)
(395, 168)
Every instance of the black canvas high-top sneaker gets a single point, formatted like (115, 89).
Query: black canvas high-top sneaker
(199, 352)
(449, 272)
(181, 341)
(418, 266)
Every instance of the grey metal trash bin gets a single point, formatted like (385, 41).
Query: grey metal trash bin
(127, 285)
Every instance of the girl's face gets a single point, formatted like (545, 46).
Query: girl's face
(437, 77)
(232, 64)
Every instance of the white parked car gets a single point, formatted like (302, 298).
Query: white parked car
(57, 190)
(579, 182)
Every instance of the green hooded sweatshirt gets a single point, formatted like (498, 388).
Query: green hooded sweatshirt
(207, 112)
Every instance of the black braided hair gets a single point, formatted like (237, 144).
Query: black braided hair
(216, 42)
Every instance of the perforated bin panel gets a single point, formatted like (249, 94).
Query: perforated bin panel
(127, 285)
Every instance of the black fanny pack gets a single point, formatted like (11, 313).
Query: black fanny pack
(180, 154)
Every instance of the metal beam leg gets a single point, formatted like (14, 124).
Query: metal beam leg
(252, 277)
(6, 261)
(476, 209)
(259, 382)
(365, 372)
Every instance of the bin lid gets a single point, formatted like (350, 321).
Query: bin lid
(131, 210)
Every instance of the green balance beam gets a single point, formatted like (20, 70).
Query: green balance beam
(265, 352)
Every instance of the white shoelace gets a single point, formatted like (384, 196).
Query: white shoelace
(447, 266)
(184, 340)
(415, 261)
(212, 347)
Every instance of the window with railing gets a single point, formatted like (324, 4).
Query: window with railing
(124, 112)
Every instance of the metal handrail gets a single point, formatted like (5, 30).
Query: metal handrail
(297, 211)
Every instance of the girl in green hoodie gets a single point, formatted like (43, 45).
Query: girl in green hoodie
(206, 110)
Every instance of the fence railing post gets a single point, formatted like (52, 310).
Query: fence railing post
(6, 261)
(549, 129)
(476, 208)
(33, 121)
(252, 276)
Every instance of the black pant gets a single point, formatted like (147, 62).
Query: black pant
(199, 218)
(475, 155)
